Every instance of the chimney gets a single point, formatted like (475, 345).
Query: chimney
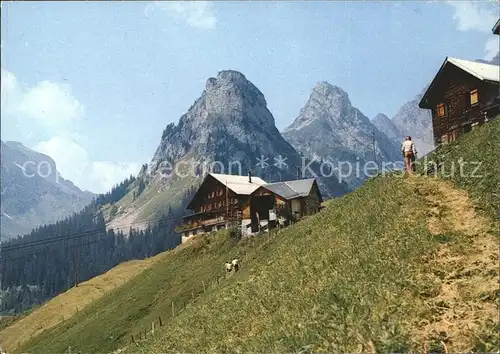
(249, 176)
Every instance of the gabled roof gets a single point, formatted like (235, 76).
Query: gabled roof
(496, 28)
(483, 72)
(291, 189)
(239, 184)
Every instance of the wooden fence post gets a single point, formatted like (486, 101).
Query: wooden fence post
(159, 320)
(173, 311)
(203, 285)
(153, 328)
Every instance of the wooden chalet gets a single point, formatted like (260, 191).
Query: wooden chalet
(220, 200)
(290, 201)
(248, 203)
(462, 95)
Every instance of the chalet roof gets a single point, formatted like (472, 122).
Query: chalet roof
(291, 189)
(482, 71)
(496, 28)
(239, 184)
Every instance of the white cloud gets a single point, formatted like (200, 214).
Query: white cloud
(198, 14)
(55, 108)
(492, 47)
(479, 16)
(476, 16)
(73, 162)
(70, 157)
(9, 87)
(50, 103)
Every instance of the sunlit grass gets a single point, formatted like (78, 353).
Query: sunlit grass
(371, 272)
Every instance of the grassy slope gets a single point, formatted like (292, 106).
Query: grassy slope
(399, 264)
(62, 307)
(479, 146)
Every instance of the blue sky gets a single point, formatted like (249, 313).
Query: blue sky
(93, 84)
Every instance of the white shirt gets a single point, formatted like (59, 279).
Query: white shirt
(408, 147)
(235, 261)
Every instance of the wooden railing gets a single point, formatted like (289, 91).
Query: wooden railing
(199, 223)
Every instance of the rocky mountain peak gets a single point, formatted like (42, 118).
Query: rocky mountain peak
(381, 117)
(229, 123)
(386, 126)
(327, 104)
(327, 90)
(416, 122)
(226, 77)
(33, 192)
(330, 128)
(230, 86)
(230, 120)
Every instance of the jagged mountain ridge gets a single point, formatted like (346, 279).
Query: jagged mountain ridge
(231, 122)
(495, 60)
(33, 192)
(386, 126)
(329, 128)
(416, 122)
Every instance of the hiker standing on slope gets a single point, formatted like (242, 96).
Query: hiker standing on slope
(409, 152)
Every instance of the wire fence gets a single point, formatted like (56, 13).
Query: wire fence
(179, 306)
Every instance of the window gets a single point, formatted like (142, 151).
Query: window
(474, 97)
(440, 110)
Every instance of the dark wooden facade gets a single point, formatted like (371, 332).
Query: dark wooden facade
(292, 209)
(459, 101)
(248, 206)
(213, 205)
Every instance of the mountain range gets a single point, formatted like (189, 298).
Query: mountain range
(330, 129)
(33, 192)
(228, 129)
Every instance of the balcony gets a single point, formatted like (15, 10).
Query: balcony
(199, 220)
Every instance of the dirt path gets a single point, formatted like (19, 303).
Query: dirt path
(467, 305)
